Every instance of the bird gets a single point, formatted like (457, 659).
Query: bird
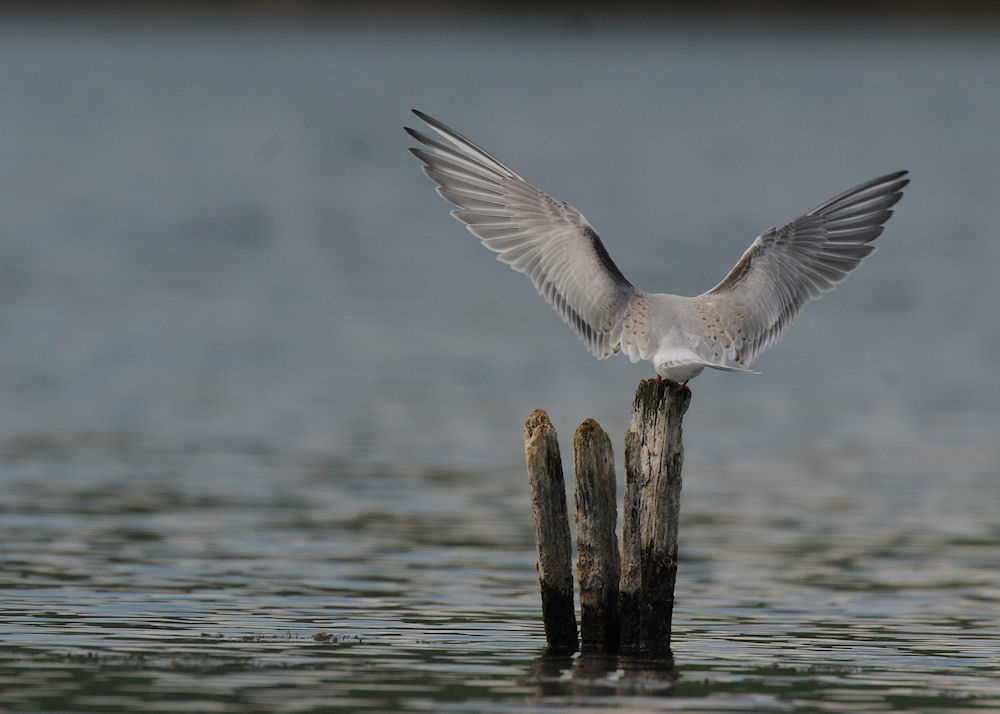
(725, 328)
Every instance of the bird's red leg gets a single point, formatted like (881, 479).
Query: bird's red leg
(680, 387)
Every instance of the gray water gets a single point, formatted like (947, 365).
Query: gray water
(261, 398)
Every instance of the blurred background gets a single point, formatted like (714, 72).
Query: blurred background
(213, 229)
(231, 304)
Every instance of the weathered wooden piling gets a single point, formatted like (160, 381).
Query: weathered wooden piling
(630, 587)
(597, 565)
(654, 455)
(548, 504)
(626, 598)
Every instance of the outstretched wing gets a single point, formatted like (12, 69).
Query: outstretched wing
(547, 240)
(787, 267)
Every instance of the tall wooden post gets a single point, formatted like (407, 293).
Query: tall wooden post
(654, 456)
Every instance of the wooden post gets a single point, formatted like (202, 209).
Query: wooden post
(631, 571)
(548, 504)
(654, 456)
(597, 564)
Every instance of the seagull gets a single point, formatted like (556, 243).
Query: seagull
(726, 328)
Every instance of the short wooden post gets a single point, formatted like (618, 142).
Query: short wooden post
(631, 570)
(548, 504)
(653, 459)
(597, 564)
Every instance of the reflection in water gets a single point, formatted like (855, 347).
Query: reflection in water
(598, 674)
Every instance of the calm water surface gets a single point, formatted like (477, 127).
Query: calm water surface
(261, 400)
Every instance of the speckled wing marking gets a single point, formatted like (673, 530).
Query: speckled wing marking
(784, 268)
(547, 240)
(634, 337)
